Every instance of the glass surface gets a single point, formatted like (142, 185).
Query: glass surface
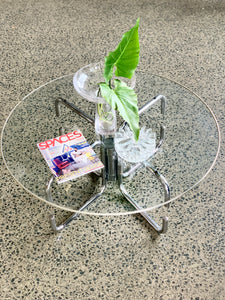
(187, 155)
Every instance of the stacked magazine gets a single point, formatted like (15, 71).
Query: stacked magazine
(69, 156)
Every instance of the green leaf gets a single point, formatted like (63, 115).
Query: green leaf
(123, 99)
(125, 57)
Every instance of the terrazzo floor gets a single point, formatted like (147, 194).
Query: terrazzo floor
(113, 257)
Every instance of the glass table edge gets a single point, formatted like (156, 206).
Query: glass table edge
(120, 213)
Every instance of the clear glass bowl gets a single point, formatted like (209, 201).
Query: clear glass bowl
(130, 150)
(86, 80)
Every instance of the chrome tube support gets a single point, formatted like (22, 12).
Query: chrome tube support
(72, 107)
(113, 169)
(109, 158)
(152, 102)
(74, 216)
(159, 229)
(161, 179)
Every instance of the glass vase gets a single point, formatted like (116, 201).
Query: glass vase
(105, 120)
(86, 82)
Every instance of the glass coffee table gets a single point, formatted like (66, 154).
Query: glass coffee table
(187, 135)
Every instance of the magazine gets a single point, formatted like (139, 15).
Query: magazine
(69, 156)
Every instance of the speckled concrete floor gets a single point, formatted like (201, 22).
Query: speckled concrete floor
(113, 257)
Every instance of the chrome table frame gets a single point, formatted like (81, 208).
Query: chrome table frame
(113, 170)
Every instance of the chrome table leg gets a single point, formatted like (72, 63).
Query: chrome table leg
(56, 228)
(112, 171)
(165, 185)
(158, 228)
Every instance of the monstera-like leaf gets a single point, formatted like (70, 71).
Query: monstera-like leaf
(126, 56)
(123, 99)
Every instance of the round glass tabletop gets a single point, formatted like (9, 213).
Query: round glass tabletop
(188, 153)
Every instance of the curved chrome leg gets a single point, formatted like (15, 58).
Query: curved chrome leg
(158, 228)
(161, 179)
(132, 170)
(96, 143)
(56, 228)
(71, 106)
(74, 216)
(161, 137)
(158, 175)
(152, 102)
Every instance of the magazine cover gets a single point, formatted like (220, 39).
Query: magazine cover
(69, 156)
